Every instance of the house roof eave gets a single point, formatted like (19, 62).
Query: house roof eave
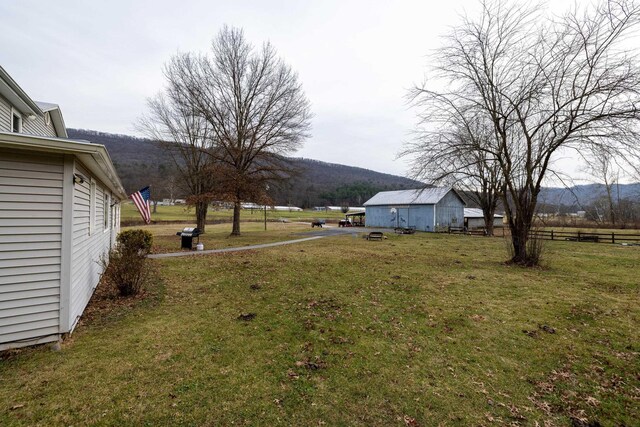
(16, 96)
(94, 156)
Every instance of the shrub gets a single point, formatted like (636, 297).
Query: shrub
(135, 240)
(126, 268)
(535, 247)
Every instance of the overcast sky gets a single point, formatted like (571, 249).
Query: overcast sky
(101, 60)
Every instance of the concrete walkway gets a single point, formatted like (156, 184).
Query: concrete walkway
(240, 248)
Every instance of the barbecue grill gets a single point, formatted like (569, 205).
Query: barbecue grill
(187, 234)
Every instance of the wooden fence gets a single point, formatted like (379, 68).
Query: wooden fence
(587, 236)
(575, 236)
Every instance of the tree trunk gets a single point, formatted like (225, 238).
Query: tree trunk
(155, 206)
(488, 202)
(201, 215)
(520, 234)
(236, 219)
(519, 238)
(612, 212)
(520, 225)
(488, 222)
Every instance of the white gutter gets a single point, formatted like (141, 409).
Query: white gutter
(94, 156)
(14, 93)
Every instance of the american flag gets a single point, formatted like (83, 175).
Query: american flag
(141, 200)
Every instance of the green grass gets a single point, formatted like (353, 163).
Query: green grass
(184, 213)
(217, 236)
(424, 328)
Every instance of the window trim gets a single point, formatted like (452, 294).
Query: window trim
(15, 114)
(106, 202)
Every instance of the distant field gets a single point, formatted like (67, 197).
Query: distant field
(415, 330)
(129, 214)
(217, 235)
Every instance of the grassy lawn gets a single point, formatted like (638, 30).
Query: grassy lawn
(416, 330)
(184, 213)
(217, 235)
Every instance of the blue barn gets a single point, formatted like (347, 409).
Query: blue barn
(427, 209)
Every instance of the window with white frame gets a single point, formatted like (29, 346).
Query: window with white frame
(105, 211)
(16, 121)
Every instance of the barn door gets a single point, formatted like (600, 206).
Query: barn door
(403, 218)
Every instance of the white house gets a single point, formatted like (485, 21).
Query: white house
(59, 213)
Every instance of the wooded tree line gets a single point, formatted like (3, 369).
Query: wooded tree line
(513, 88)
(141, 162)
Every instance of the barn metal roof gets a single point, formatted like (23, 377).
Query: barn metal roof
(476, 213)
(419, 196)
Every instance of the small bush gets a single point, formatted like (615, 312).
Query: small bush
(535, 248)
(126, 267)
(135, 240)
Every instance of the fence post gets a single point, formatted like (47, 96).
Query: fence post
(578, 235)
(613, 237)
(551, 234)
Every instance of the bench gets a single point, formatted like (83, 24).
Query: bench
(375, 235)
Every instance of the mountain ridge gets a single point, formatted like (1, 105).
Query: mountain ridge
(139, 160)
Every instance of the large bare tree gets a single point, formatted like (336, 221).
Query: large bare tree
(547, 85)
(450, 147)
(255, 106)
(188, 138)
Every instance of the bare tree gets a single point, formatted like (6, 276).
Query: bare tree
(188, 139)
(546, 85)
(602, 168)
(451, 147)
(255, 106)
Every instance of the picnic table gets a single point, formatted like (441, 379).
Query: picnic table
(374, 235)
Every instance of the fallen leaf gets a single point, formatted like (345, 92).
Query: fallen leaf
(411, 422)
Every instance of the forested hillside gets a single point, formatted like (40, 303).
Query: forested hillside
(142, 162)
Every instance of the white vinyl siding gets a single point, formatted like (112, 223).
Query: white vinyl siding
(37, 126)
(92, 207)
(30, 245)
(86, 248)
(5, 115)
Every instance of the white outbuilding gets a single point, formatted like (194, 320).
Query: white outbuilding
(59, 213)
(474, 218)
